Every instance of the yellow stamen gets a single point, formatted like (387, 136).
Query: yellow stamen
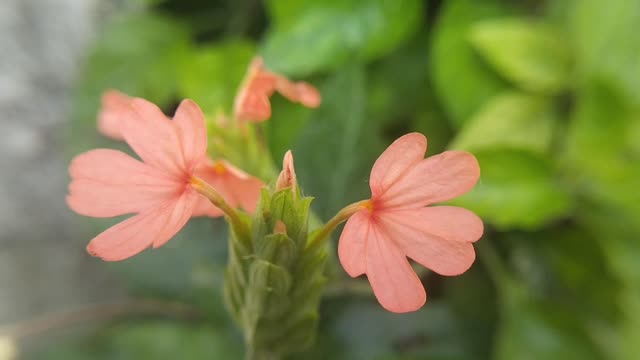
(219, 168)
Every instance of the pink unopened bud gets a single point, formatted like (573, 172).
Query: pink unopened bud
(287, 177)
(252, 102)
(279, 228)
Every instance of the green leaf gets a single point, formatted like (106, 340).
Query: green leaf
(462, 81)
(151, 340)
(602, 155)
(339, 144)
(432, 332)
(606, 45)
(211, 75)
(287, 121)
(517, 189)
(533, 55)
(324, 35)
(534, 329)
(511, 120)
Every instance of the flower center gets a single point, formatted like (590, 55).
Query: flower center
(368, 204)
(219, 168)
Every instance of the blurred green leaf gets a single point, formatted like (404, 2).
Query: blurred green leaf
(517, 189)
(138, 54)
(152, 340)
(339, 144)
(286, 122)
(430, 333)
(606, 42)
(512, 120)
(602, 160)
(211, 75)
(462, 81)
(534, 329)
(532, 54)
(324, 35)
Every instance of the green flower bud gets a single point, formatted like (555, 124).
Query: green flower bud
(274, 281)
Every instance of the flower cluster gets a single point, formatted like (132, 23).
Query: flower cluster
(176, 178)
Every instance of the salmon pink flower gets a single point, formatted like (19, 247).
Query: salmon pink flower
(237, 187)
(107, 183)
(395, 223)
(252, 102)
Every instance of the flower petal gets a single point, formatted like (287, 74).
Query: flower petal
(137, 233)
(353, 242)
(109, 183)
(438, 178)
(190, 126)
(439, 247)
(395, 284)
(114, 108)
(252, 102)
(153, 137)
(236, 186)
(395, 161)
(300, 92)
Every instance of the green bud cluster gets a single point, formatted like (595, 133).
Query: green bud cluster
(274, 281)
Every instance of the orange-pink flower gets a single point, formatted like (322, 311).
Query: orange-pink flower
(252, 102)
(107, 183)
(237, 187)
(395, 223)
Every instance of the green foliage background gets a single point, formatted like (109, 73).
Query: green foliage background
(546, 94)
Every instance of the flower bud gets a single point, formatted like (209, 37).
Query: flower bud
(287, 177)
(274, 284)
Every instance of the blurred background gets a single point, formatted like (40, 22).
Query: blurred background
(546, 94)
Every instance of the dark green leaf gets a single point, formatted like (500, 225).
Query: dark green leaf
(336, 149)
(324, 35)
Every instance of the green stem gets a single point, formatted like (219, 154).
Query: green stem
(321, 234)
(496, 268)
(216, 199)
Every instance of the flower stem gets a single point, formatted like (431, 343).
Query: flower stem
(216, 199)
(321, 234)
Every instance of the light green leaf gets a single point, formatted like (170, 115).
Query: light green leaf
(511, 120)
(517, 189)
(533, 55)
(324, 35)
(606, 42)
(211, 75)
(603, 160)
(463, 82)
